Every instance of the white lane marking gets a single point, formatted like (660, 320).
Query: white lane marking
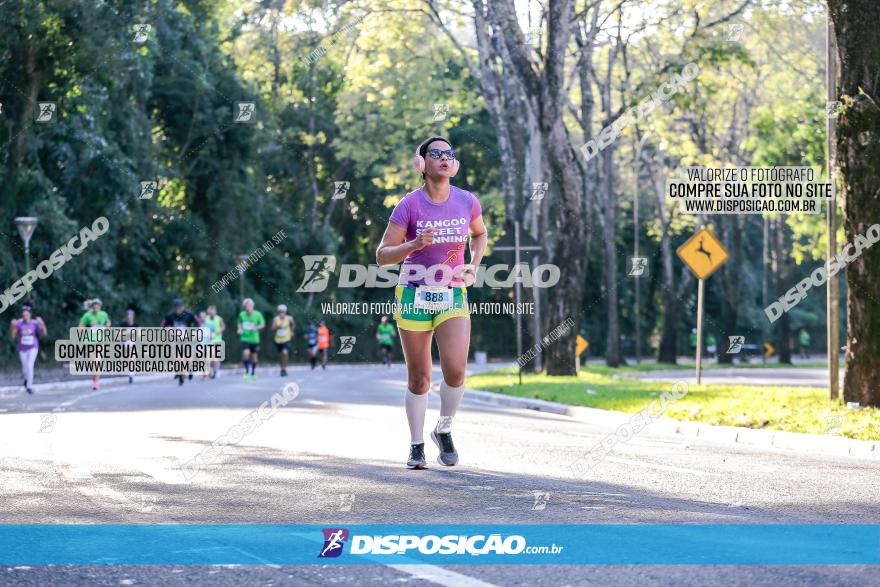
(480, 474)
(440, 576)
(63, 405)
(662, 467)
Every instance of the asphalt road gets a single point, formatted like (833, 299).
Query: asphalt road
(335, 455)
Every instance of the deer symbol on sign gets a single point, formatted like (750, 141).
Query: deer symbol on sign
(704, 251)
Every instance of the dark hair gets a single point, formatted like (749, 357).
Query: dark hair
(423, 148)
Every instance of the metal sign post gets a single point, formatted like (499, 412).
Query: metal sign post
(703, 254)
(699, 357)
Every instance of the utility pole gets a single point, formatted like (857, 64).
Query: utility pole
(765, 257)
(833, 322)
(517, 248)
(636, 241)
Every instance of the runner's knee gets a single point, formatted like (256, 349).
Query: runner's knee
(419, 383)
(454, 377)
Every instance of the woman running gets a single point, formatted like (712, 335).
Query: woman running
(95, 317)
(26, 333)
(428, 231)
(283, 325)
(217, 326)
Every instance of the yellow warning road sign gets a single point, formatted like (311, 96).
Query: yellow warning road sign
(768, 349)
(703, 254)
(581, 345)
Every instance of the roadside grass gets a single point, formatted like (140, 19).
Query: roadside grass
(788, 408)
(757, 364)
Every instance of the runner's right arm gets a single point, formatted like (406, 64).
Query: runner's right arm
(394, 250)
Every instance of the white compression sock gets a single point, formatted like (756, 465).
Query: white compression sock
(416, 406)
(450, 398)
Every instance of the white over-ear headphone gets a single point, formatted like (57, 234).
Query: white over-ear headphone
(419, 161)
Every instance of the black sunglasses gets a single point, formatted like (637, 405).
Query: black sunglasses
(436, 153)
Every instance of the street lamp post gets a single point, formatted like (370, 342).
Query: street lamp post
(636, 241)
(26, 226)
(241, 265)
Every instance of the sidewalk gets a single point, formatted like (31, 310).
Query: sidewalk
(85, 383)
(803, 443)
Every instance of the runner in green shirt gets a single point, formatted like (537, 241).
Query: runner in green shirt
(385, 334)
(250, 323)
(804, 339)
(95, 317)
(711, 345)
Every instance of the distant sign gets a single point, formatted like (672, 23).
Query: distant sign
(703, 254)
(581, 345)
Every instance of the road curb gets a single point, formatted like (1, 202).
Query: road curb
(11, 391)
(794, 441)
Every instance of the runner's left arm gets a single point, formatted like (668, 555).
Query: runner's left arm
(478, 241)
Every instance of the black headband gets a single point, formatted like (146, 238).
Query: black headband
(423, 149)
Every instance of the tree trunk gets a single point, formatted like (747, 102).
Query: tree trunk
(544, 88)
(667, 351)
(613, 355)
(783, 284)
(857, 152)
(730, 279)
(492, 88)
(34, 67)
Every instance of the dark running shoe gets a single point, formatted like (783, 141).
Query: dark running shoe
(448, 456)
(417, 457)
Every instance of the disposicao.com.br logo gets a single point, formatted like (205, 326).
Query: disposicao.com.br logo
(319, 268)
(402, 544)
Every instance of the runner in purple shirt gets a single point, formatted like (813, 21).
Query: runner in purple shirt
(25, 332)
(428, 232)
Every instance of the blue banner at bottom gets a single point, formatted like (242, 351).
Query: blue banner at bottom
(595, 544)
